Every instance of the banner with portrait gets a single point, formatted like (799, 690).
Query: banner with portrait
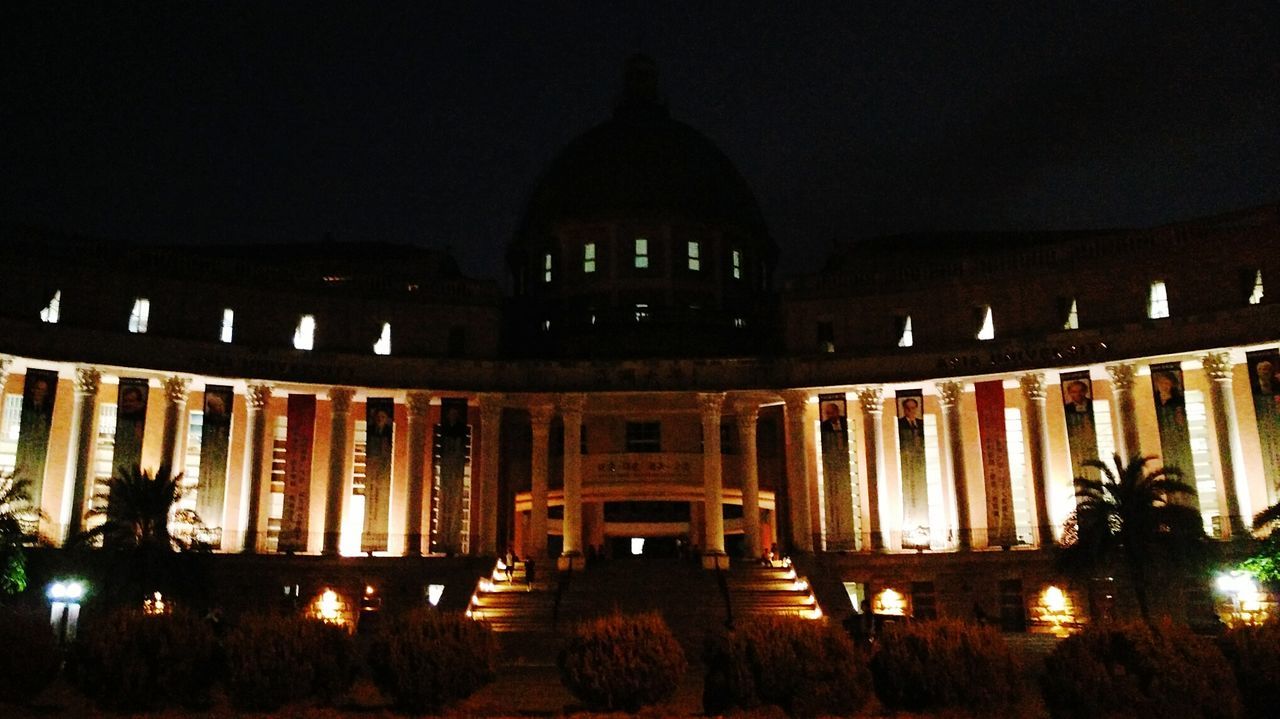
(1169, 394)
(215, 442)
(379, 416)
(838, 488)
(915, 482)
(298, 443)
(39, 389)
(1264, 384)
(1082, 433)
(450, 453)
(997, 478)
(131, 424)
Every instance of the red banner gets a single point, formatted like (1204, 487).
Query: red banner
(297, 472)
(1001, 531)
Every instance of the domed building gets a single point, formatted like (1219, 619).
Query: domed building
(905, 422)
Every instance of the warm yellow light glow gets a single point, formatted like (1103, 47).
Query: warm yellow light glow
(155, 605)
(890, 601)
(328, 608)
(1054, 611)
(1055, 600)
(368, 590)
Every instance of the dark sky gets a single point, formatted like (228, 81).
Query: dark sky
(428, 123)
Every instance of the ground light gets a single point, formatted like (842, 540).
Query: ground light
(1247, 605)
(434, 592)
(64, 612)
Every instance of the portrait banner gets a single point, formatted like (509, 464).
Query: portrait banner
(998, 480)
(1264, 384)
(451, 451)
(299, 443)
(215, 442)
(915, 482)
(1169, 394)
(379, 415)
(39, 389)
(1082, 434)
(131, 424)
(839, 491)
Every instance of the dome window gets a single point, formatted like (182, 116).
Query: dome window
(546, 267)
(1073, 317)
(988, 329)
(589, 257)
(383, 345)
(53, 310)
(1255, 297)
(642, 253)
(228, 325)
(694, 252)
(139, 316)
(737, 264)
(905, 335)
(304, 337)
(1158, 301)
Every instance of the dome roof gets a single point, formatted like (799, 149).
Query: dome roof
(641, 164)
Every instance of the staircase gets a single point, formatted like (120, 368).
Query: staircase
(757, 590)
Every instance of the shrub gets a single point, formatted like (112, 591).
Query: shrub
(945, 664)
(1254, 655)
(30, 659)
(274, 660)
(1133, 669)
(426, 660)
(130, 661)
(805, 667)
(622, 662)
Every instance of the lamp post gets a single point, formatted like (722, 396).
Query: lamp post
(64, 612)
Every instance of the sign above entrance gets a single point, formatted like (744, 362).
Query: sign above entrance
(665, 468)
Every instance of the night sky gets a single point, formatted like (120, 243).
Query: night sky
(428, 123)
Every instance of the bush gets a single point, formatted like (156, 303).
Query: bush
(945, 664)
(1254, 655)
(274, 660)
(805, 667)
(426, 660)
(622, 662)
(1133, 669)
(30, 658)
(129, 661)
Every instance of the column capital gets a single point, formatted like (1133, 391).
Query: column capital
(5, 361)
(340, 398)
(572, 403)
(540, 413)
(87, 379)
(1033, 386)
(795, 399)
(746, 411)
(950, 392)
(871, 399)
(1122, 375)
(490, 405)
(711, 403)
(419, 403)
(1218, 365)
(259, 393)
(176, 388)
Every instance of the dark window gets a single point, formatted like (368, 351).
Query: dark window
(1013, 612)
(457, 341)
(729, 438)
(924, 601)
(644, 436)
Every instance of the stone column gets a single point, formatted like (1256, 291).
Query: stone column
(571, 415)
(951, 392)
(5, 360)
(1128, 445)
(490, 435)
(713, 555)
(1227, 429)
(872, 401)
(540, 414)
(80, 463)
(799, 447)
(335, 493)
(1033, 394)
(256, 467)
(746, 415)
(419, 404)
(172, 444)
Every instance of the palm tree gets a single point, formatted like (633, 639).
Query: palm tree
(138, 508)
(1264, 560)
(1130, 513)
(17, 515)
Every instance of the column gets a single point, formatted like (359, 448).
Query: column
(951, 392)
(172, 446)
(746, 415)
(335, 493)
(1033, 395)
(490, 426)
(872, 401)
(571, 415)
(419, 404)
(540, 414)
(80, 464)
(5, 360)
(713, 555)
(799, 447)
(255, 464)
(1226, 428)
(1122, 376)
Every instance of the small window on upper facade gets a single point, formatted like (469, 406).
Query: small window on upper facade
(383, 345)
(53, 310)
(546, 325)
(1255, 297)
(737, 264)
(694, 251)
(826, 336)
(139, 316)
(642, 312)
(1073, 317)
(988, 329)
(589, 257)
(228, 324)
(740, 322)
(644, 437)
(642, 253)
(546, 267)
(304, 337)
(905, 337)
(1158, 301)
